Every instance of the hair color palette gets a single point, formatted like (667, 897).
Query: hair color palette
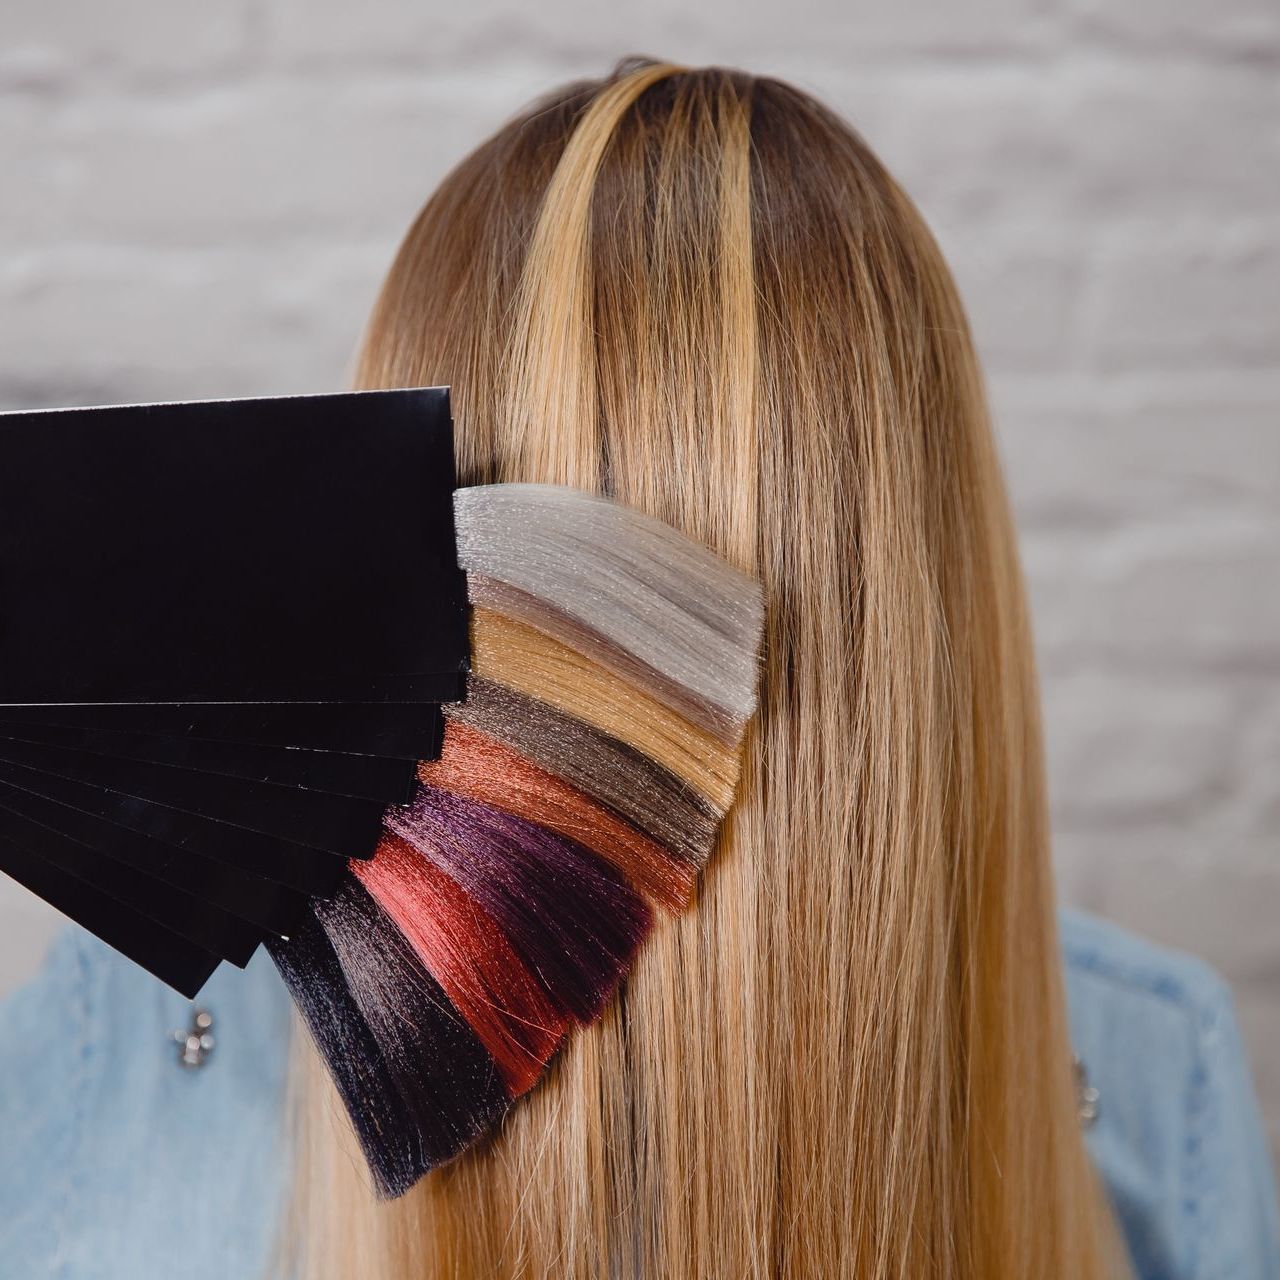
(266, 677)
(578, 792)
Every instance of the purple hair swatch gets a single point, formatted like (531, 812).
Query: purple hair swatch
(574, 921)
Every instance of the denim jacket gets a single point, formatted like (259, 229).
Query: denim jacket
(119, 1163)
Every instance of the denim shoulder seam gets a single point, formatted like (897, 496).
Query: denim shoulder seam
(86, 1051)
(1178, 980)
(1195, 1172)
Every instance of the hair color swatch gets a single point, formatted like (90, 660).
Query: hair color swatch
(580, 787)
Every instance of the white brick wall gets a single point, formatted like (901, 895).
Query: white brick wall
(199, 200)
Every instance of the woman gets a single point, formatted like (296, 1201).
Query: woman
(699, 291)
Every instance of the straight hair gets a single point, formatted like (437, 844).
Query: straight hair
(699, 293)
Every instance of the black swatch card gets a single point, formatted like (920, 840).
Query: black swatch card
(315, 872)
(358, 776)
(401, 731)
(268, 906)
(289, 549)
(171, 957)
(226, 629)
(345, 827)
(193, 917)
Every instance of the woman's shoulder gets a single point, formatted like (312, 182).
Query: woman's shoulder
(119, 1160)
(1178, 1137)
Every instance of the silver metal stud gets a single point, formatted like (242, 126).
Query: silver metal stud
(1087, 1097)
(195, 1044)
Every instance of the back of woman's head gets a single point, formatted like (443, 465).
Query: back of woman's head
(700, 292)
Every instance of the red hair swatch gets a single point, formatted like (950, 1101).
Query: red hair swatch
(474, 765)
(471, 959)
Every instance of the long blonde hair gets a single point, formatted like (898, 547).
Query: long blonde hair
(700, 292)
